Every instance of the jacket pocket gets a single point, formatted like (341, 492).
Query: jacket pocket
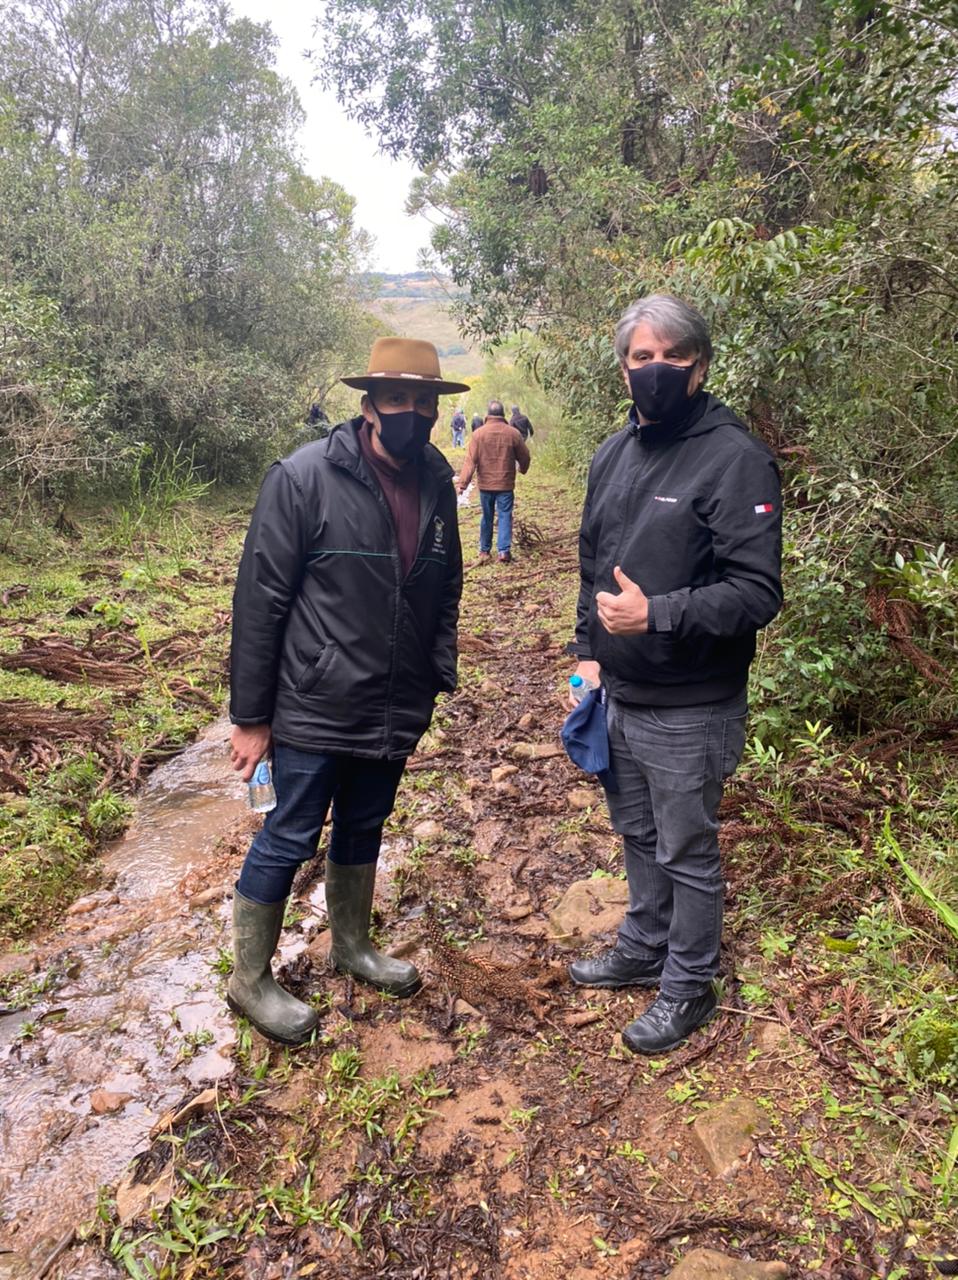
(316, 669)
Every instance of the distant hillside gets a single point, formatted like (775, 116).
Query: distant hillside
(416, 305)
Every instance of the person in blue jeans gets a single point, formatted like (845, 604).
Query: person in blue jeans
(680, 566)
(494, 455)
(458, 429)
(493, 502)
(341, 692)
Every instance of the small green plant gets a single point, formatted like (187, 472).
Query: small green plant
(193, 1041)
(605, 1249)
(754, 994)
(464, 855)
(628, 1152)
(774, 944)
(683, 1091)
(521, 1117)
(472, 1040)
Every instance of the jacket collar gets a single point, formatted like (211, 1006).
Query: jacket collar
(705, 413)
(343, 450)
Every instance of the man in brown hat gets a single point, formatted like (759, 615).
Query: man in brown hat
(344, 632)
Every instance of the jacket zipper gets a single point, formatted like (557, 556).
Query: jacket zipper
(397, 570)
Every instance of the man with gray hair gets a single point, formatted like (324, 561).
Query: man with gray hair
(680, 566)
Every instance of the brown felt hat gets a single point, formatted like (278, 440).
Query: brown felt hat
(404, 360)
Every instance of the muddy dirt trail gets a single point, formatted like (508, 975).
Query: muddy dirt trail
(491, 1126)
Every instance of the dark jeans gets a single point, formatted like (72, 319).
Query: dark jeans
(670, 764)
(500, 500)
(362, 793)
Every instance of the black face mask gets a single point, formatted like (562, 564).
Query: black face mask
(660, 392)
(404, 434)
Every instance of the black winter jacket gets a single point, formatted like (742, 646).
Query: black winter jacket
(695, 518)
(330, 646)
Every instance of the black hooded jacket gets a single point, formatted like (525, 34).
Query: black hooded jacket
(694, 516)
(331, 645)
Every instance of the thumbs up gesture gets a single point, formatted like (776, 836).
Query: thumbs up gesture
(626, 614)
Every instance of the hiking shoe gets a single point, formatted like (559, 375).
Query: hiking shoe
(505, 557)
(615, 968)
(668, 1021)
(484, 557)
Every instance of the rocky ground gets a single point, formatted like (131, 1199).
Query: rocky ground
(494, 1125)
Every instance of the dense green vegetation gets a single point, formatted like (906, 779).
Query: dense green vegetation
(170, 277)
(790, 168)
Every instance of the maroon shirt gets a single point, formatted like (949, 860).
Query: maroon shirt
(401, 491)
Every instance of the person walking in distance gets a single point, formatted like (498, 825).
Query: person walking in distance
(344, 632)
(458, 429)
(494, 454)
(679, 554)
(521, 423)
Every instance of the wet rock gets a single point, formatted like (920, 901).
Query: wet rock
(706, 1264)
(402, 949)
(427, 830)
(771, 1036)
(90, 903)
(503, 771)
(588, 909)
(538, 750)
(12, 962)
(103, 1101)
(582, 798)
(518, 912)
(208, 895)
(136, 1198)
(725, 1132)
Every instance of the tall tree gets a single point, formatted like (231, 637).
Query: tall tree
(151, 188)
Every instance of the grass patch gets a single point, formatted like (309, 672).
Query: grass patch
(169, 576)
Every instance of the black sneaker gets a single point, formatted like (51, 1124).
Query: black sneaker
(616, 968)
(668, 1021)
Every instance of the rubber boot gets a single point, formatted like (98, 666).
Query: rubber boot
(252, 990)
(349, 902)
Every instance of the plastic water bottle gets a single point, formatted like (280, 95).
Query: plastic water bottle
(262, 793)
(578, 688)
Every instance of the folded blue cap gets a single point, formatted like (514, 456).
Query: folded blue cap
(585, 737)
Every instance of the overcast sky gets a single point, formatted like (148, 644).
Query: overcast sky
(334, 147)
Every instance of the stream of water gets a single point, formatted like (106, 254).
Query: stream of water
(131, 1021)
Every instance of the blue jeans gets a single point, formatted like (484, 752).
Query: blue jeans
(670, 764)
(492, 500)
(458, 437)
(362, 793)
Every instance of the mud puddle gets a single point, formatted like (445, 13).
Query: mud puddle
(125, 1017)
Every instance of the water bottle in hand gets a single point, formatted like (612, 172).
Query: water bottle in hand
(578, 688)
(262, 794)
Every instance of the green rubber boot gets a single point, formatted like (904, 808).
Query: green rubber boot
(349, 902)
(252, 990)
